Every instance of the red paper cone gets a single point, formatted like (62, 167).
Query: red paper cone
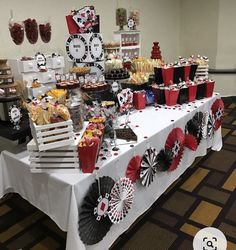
(72, 26)
(168, 75)
(192, 91)
(171, 96)
(209, 88)
(139, 100)
(88, 157)
(187, 72)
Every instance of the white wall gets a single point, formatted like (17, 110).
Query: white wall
(226, 40)
(159, 22)
(199, 28)
(208, 28)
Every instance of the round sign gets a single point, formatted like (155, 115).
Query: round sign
(115, 87)
(41, 59)
(95, 47)
(77, 48)
(95, 68)
(15, 114)
(131, 23)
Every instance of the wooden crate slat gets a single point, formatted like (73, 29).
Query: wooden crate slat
(54, 160)
(55, 144)
(52, 125)
(55, 131)
(55, 137)
(53, 154)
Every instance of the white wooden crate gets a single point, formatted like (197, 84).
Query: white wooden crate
(63, 159)
(54, 135)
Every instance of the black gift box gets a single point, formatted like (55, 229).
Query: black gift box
(183, 96)
(201, 88)
(178, 74)
(158, 75)
(193, 70)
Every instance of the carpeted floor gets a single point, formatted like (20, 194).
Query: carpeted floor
(205, 195)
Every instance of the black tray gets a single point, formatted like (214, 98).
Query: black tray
(134, 87)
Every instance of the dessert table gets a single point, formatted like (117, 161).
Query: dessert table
(60, 195)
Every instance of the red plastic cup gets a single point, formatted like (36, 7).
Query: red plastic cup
(192, 91)
(72, 26)
(88, 157)
(210, 84)
(171, 96)
(187, 69)
(168, 75)
(139, 100)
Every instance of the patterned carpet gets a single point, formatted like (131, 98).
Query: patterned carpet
(205, 195)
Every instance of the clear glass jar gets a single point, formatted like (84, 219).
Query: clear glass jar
(76, 107)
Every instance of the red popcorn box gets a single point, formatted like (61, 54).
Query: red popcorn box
(168, 75)
(187, 69)
(171, 96)
(210, 84)
(72, 26)
(139, 100)
(88, 157)
(192, 91)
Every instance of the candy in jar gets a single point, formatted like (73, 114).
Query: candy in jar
(121, 17)
(17, 32)
(76, 112)
(31, 30)
(45, 32)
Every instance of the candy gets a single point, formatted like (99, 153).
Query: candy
(45, 32)
(17, 33)
(31, 30)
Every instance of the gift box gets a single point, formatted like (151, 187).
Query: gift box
(193, 70)
(158, 75)
(139, 100)
(183, 95)
(201, 89)
(168, 75)
(88, 157)
(159, 95)
(72, 26)
(149, 97)
(187, 69)
(178, 74)
(210, 84)
(171, 96)
(192, 91)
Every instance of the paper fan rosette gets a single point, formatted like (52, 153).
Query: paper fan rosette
(194, 126)
(164, 160)
(94, 222)
(133, 168)
(217, 109)
(210, 126)
(148, 166)
(190, 142)
(122, 196)
(175, 143)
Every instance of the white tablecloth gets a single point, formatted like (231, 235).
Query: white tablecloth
(61, 195)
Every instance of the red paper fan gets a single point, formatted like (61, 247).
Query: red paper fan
(175, 142)
(132, 171)
(217, 109)
(190, 142)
